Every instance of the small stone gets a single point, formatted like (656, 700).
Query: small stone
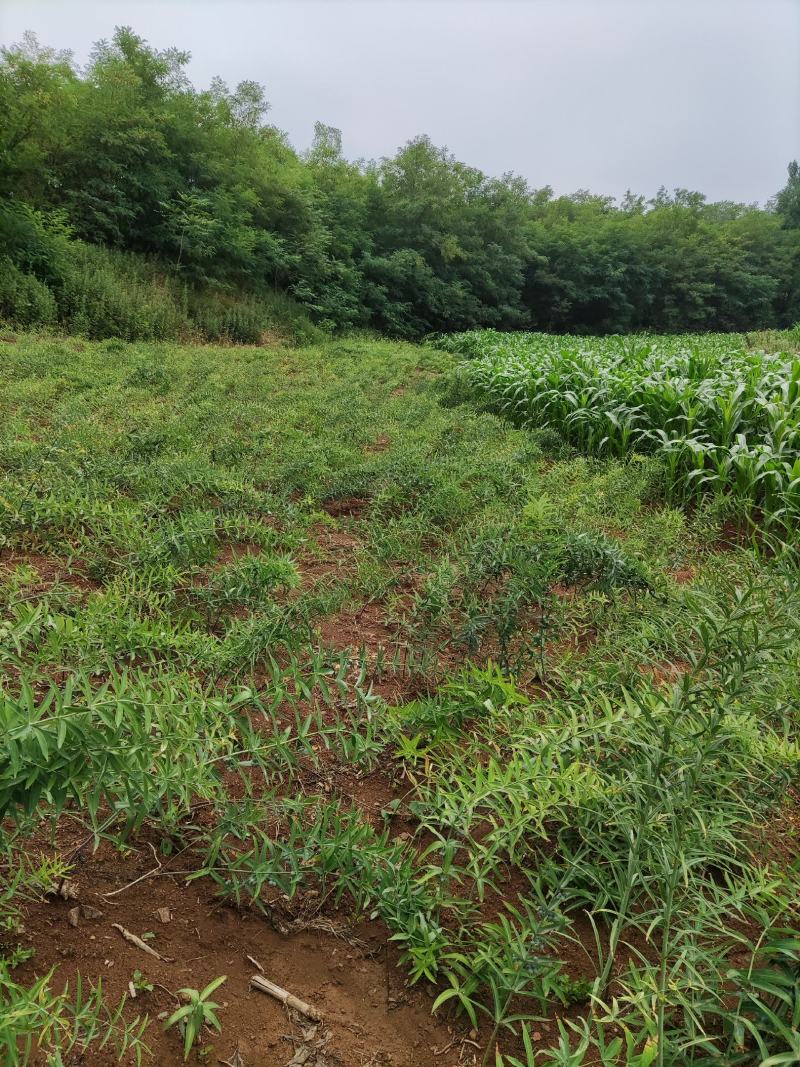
(88, 912)
(73, 916)
(164, 915)
(473, 1035)
(537, 1036)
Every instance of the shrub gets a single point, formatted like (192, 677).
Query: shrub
(24, 300)
(108, 294)
(100, 293)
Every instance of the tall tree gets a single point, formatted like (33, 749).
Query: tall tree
(787, 202)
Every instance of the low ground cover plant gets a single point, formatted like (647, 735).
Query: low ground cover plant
(351, 658)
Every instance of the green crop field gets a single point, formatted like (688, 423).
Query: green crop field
(724, 417)
(454, 685)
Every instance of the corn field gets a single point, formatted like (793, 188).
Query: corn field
(725, 418)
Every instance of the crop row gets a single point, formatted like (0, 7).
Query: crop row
(725, 418)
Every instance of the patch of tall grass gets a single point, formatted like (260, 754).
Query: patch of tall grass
(98, 293)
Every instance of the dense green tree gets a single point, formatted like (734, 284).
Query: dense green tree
(37, 87)
(127, 154)
(787, 202)
(450, 242)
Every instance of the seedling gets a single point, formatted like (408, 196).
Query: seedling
(141, 983)
(199, 1011)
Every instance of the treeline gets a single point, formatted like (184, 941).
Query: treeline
(127, 157)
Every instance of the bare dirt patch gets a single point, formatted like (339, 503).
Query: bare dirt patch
(335, 541)
(233, 550)
(351, 507)
(329, 556)
(565, 592)
(366, 627)
(730, 538)
(683, 575)
(380, 444)
(50, 572)
(372, 1016)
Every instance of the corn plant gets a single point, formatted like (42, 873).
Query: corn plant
(725, 418)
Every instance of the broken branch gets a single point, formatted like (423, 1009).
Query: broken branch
(258, 981)
(137, 941)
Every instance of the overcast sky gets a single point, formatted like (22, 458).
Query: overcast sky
(598, 94)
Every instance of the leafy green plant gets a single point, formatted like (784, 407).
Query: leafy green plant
(724, 421)
(141, 983)
(37, 1018)
(767, 1019)
(198, 1011)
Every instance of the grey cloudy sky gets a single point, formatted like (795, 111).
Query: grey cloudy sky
(598, 94)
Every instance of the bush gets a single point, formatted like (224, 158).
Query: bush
(100, 293)
(220, 315)
(108, 294)
(223, 317)
(24, 300)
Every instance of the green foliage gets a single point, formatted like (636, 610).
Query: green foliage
(499, 593)
(37, 1018)
(107, 294)
(141, 983)
(235, 229)
(787, 202)
(99, 292)
(599, 562)
(117, 744)
(198, 1011)
(24, 300)
(722, 416)
(768, 1013)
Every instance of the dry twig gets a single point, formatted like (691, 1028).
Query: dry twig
(137, 941)
(258, 981)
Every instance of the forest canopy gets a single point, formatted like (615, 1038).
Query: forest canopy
(125, 166)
